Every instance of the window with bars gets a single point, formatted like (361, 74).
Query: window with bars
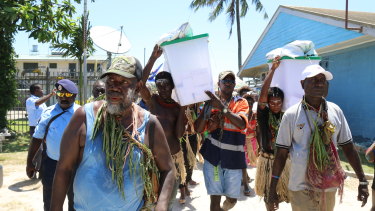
(53, 65)
(29, 67)
(90, 67)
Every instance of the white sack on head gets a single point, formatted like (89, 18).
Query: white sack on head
(287, 77)
(307, 47)
(294, 49)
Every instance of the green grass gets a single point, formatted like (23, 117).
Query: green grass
(17, 144)
(367, 166)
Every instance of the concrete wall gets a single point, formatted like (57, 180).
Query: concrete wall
(353, 88)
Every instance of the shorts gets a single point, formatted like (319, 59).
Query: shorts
(227, 182)
(303, 201)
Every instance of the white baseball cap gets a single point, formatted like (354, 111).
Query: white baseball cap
(315, 69)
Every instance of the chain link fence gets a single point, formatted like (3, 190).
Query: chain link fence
(17, 116)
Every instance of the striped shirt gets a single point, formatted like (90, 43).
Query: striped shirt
(228, 149)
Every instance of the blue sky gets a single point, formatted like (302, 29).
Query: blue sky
(145, 21)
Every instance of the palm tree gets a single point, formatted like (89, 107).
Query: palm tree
(233, 12)
(75, 47)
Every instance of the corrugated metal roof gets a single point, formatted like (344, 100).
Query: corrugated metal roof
(362, 18)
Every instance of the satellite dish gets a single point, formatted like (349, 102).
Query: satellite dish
(110, 39)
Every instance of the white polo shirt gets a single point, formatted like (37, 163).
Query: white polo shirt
(294, 134)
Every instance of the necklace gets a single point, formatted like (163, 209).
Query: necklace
(225, 101)
(221, 117)
(119, 145)
(169, 103)
(318, 150)
(274, 123)
(310, 107)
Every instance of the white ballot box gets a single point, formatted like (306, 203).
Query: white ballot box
(288, 77)
(188, 61)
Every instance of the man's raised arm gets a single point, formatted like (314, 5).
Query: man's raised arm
(156, 53)
(143, 90)
(263, 98)
(44, 99)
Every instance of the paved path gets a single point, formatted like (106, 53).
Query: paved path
(199, 200)
(18, 193)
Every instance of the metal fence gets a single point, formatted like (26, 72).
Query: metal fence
(17, 116)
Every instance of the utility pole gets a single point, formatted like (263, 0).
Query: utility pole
(84, 52)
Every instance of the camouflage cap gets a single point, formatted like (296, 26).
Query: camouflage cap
(223, 74)
(126, 66)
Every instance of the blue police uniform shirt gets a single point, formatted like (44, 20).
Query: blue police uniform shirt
(34, 111)
(56, 129)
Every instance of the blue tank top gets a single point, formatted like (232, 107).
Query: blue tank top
(93, 186)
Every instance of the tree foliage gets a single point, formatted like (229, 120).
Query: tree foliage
(235, 9)
(7, 75)
(74, 47)
(46, 20)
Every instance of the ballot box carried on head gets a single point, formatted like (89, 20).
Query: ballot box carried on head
(188, 61)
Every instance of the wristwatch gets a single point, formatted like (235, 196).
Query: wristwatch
(363, 183)
(225, 110)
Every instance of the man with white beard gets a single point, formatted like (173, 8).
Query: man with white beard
(122, 155)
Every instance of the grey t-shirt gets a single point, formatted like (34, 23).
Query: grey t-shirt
(294, 134)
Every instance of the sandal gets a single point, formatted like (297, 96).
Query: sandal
(247, 192)
(192, 182)
(182, 201)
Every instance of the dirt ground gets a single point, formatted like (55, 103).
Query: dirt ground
(22, 194)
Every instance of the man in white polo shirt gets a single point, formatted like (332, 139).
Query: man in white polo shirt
(296, 129)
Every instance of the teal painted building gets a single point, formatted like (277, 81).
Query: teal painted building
(348, 54)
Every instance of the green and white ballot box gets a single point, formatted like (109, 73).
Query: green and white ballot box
(288, 76)
(188, 61)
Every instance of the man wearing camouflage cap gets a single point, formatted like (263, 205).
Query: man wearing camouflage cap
(48, 132)
(120, 149)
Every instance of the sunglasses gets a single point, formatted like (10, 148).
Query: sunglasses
(62, 94)
(226, 81)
